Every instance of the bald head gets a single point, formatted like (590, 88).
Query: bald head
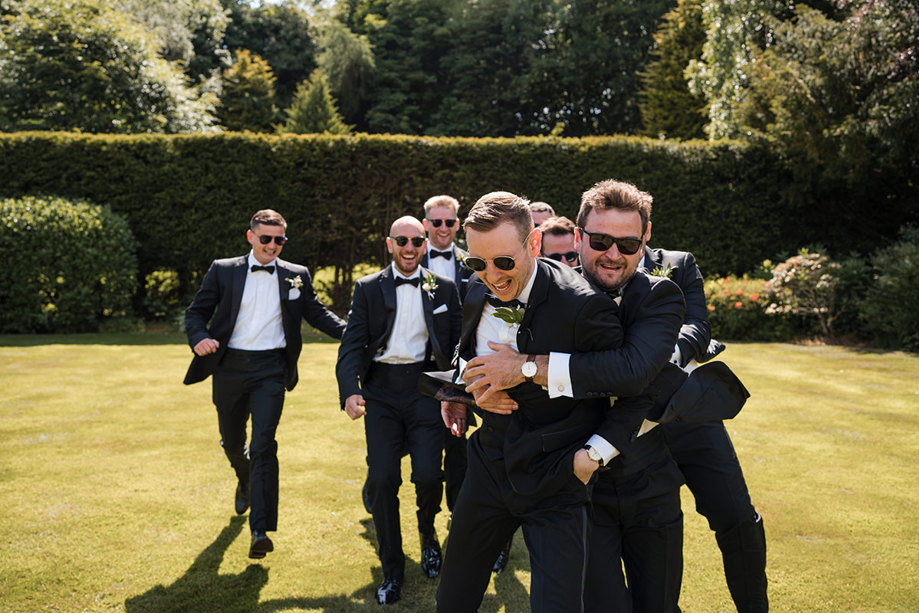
(405, 223)
(407, 256)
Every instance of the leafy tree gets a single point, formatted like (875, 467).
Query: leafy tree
(735, 29)
(313, 109)
(81, 65)
(668, 108)
(191, 32)
(281, 34)
(347, 60)
(247, 101)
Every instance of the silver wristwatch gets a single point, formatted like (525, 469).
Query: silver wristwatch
(594, 455)
(529, 368)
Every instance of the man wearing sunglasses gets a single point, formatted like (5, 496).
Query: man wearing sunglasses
(559, 241)
(444, 257)
(636, 506)
(251, 348)
(403, 320)
(519, 471)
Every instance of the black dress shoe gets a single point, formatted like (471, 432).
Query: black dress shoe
(261, 545)
(389, 591)
(430, 555)
(242, 497)
(503, 556)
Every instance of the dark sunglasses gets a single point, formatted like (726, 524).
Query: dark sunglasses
(402, 241)
(436, 222)
(602, 242)
(569, 256)
(502, 262)
(266, 238)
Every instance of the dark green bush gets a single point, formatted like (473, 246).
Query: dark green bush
(68, 265)
(890, 311)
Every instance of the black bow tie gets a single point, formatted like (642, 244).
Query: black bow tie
(441, 254)
(268, 269)
(413, 281)
(510, 304)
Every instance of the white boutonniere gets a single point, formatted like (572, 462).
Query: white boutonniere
(429, 285)
(461, 258)
(295, 282)
(509, 315)
(665, 272)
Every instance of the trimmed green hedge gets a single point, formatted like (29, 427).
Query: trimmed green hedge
(188, 198)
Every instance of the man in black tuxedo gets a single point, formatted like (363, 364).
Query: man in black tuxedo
(704, 451)
(519, 469)
(636, 505)
(251, 348)
(444, 257)
(559, 242)
(403, 320)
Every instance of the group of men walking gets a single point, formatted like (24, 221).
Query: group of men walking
(572, 373)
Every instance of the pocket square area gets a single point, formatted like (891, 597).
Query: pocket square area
(294, 294)
(441, 309)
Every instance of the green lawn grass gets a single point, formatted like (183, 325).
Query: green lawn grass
(116, 494)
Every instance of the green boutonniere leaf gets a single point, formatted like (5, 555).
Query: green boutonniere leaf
(510, 316)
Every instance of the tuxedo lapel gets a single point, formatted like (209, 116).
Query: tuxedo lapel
(238, 281)
(538, 295)
(388, 288)
(472, 313)
(457, 267)
(428, 308)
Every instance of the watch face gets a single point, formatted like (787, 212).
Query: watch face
(529, 369)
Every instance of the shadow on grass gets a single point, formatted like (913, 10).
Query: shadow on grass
(203, 589)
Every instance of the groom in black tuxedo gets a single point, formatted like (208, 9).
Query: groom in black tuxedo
(251, 347)
(519, 470)
(403, 320)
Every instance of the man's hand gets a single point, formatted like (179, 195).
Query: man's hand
(454, 416)
(491, 373)
(584, 467)
(354, 406)
(495, 402)
(206, 346)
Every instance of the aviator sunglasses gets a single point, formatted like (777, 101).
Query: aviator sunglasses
(266, 238)
(502, 262)
(436, 222)
(402, 241)
(602, 242)
(569, 256)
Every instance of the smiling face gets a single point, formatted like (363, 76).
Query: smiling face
(441, 238)
(265, 254)
(610, 269)
(504, 240)
(408, 257)
(553, 244)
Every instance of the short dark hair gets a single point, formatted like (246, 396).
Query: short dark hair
(611, 194)
(557, 226)
(495, 208)
(539, 207)
(267, 217)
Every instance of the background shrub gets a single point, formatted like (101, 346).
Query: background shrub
(68, 265)
(890, 311)
(737, 311)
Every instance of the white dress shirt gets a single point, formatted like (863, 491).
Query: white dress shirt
(408, 341)
(444, 267)
(258, 324)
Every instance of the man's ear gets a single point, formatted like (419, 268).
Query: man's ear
(388, 244)
(535, 242)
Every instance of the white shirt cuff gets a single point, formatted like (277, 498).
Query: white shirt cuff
(461, 366)
(558, 377)
(607, 451)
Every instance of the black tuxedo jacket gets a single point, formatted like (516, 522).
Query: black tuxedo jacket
(538, 441)
(696, 331)
(222, 290)
(461, 274)
(638, 372)
(371, 320)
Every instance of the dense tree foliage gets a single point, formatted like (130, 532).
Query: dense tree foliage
(81, 65)
(313, 110)
(279, 33)
(247, 100)
(668, 108)
(347, 60)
